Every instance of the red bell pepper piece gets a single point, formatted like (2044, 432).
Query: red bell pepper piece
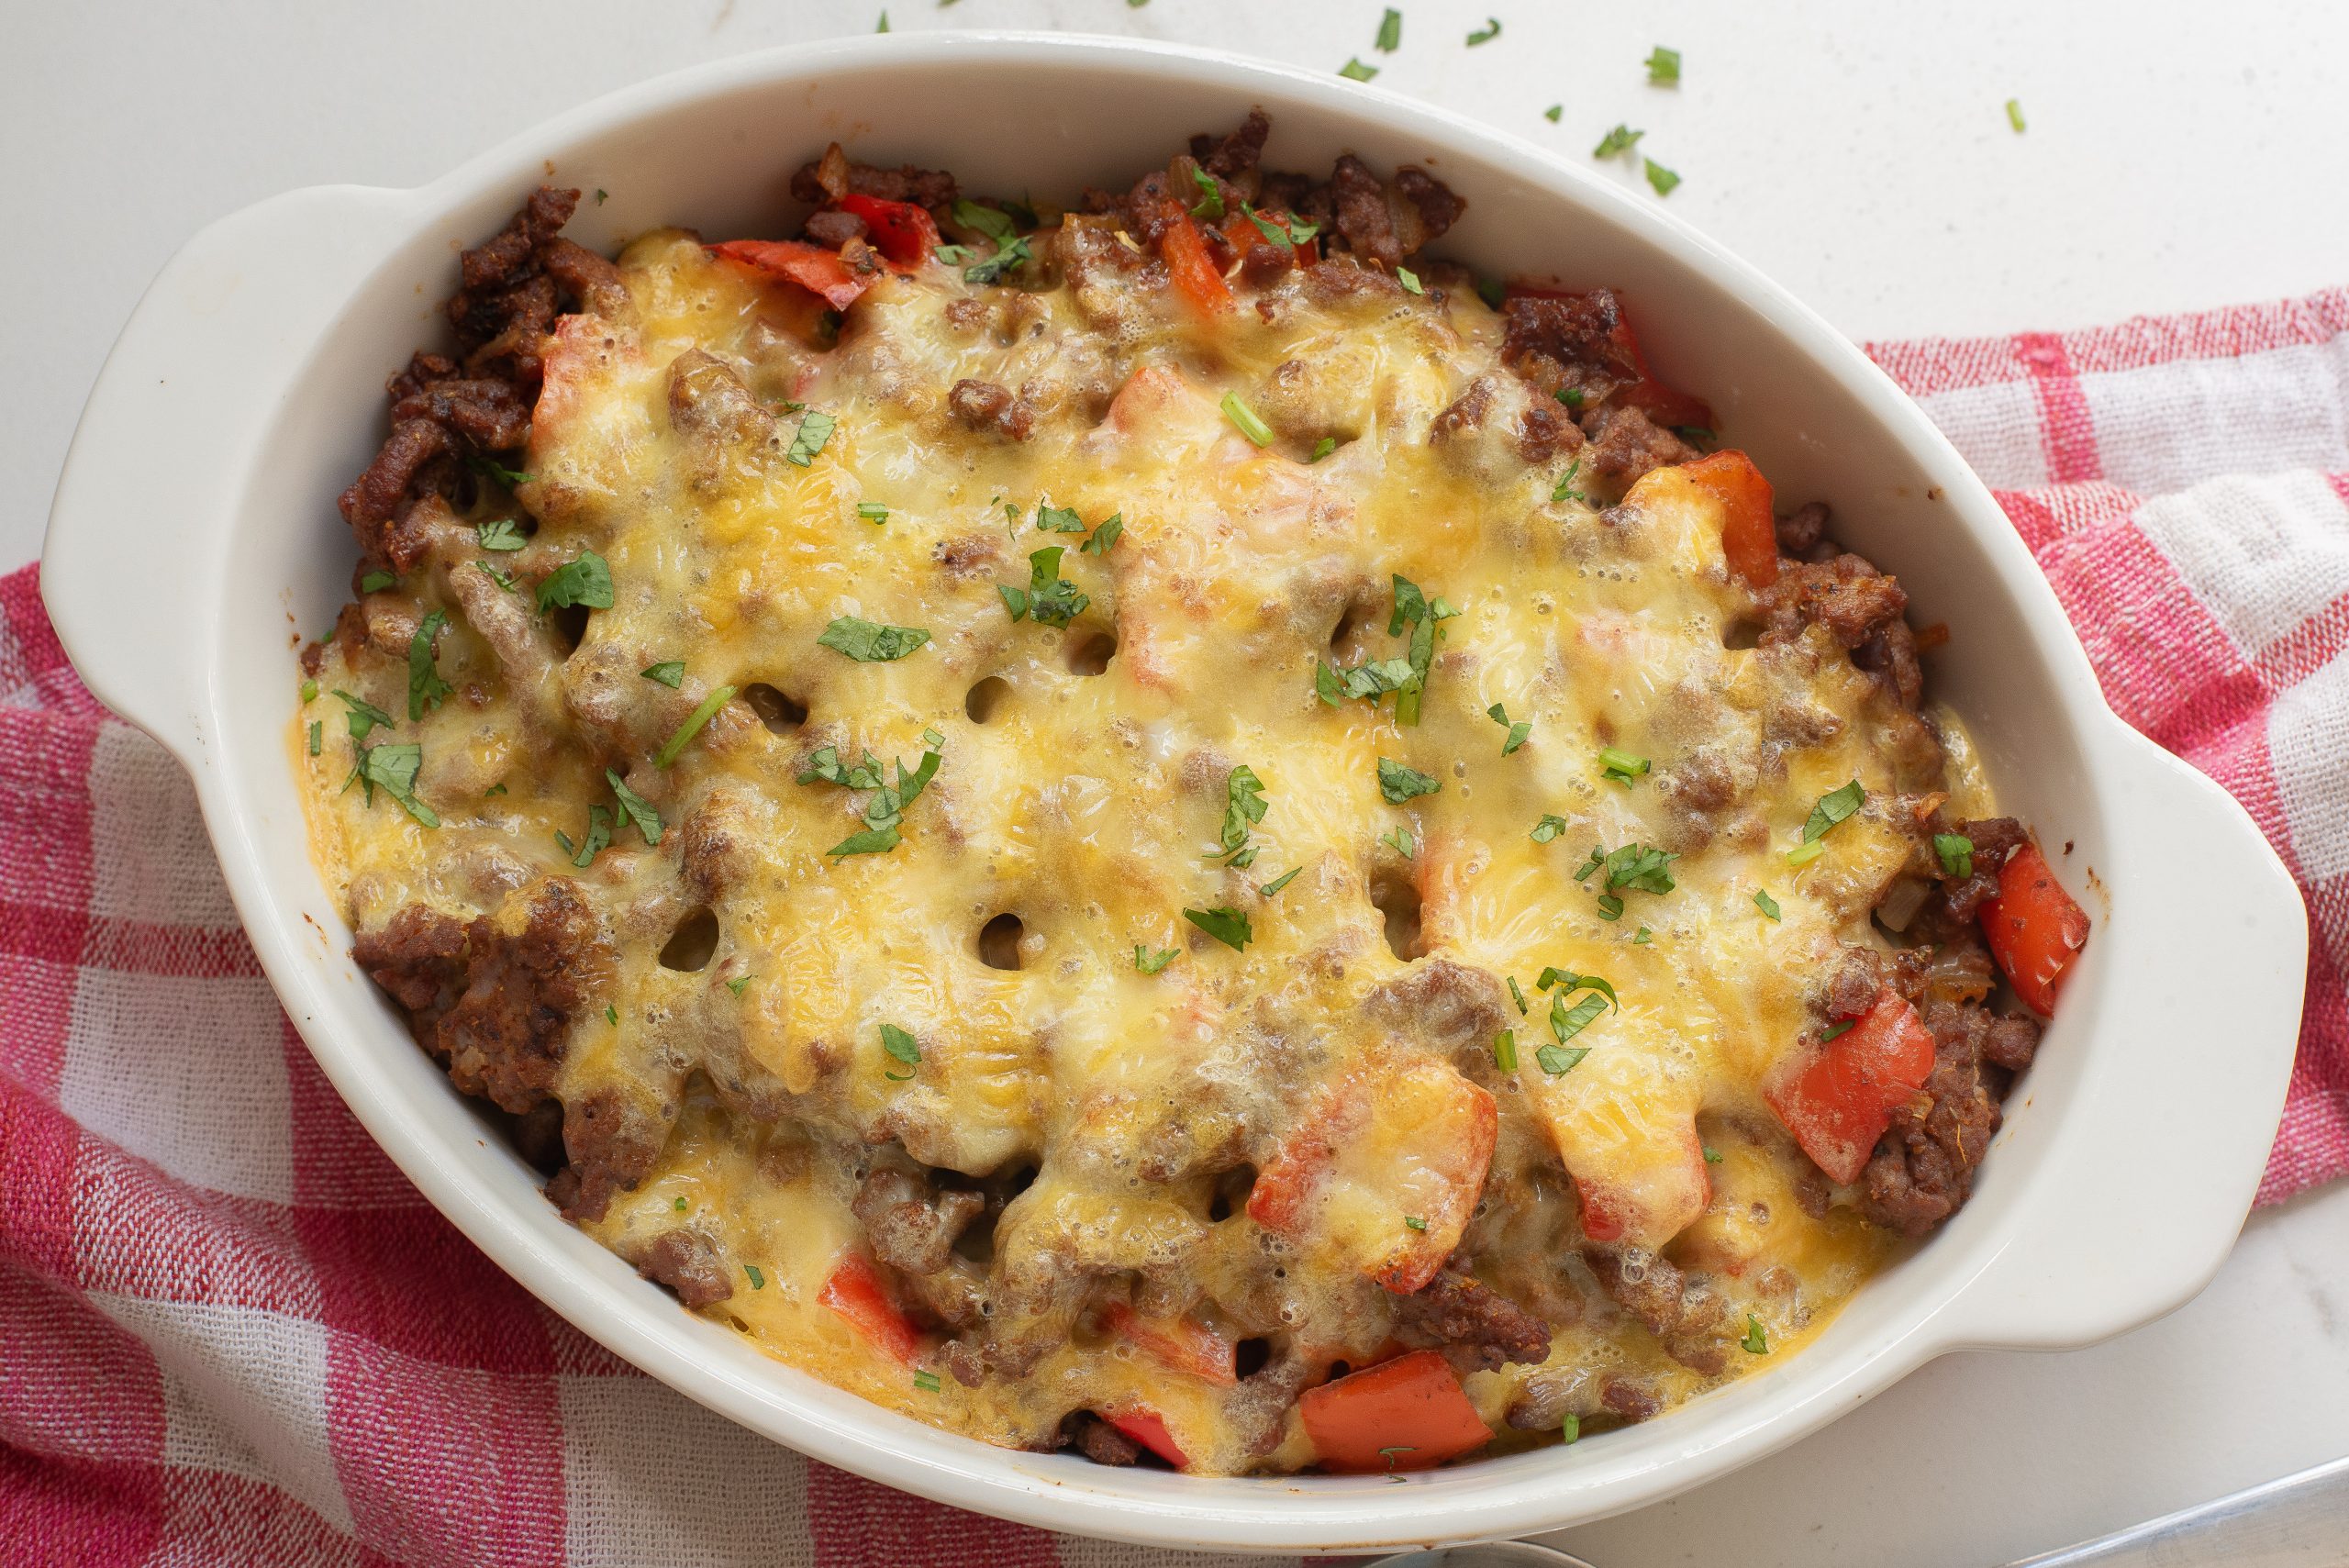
(1182, 1343)
(901, 231)
(1838, 1102)
(1193, 270)
(2033, 929)
(813, 268)
(1149, 1429)
(1749, 525)
(1407, 1414)
(856, 1293)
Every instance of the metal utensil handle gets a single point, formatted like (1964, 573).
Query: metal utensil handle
(2300, 1521)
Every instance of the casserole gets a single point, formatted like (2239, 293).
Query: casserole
(313, 296)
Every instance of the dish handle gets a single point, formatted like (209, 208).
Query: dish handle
(2199, 988)
(129, 567)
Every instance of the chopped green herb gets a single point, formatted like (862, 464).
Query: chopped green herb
(1504, 1050)
(394, 768)
(1112, 528)
(1574, 397)
(669, 674)
(1415, 609)
(1237, 410)
(586, 581)
(1549, 828)
(1058, 519)
(1559, 1060)
(873, 512)
(1356, 70)
(1015, 600)
(1643, 938)
(310, 691)
(1399, 784)
(1389, 1452)
(498, 574)
(1517, 993)
(813, 430)
(758, 1280)
(1151, 963)
(612, 1015)
(500, 534)
(927, 1382)
(884, 813)
(601, 195)
(871, 642)
(364, 715)
(1803, 854)
(1010, 250)
(1412, 1222)
(1693, 434)
(506, 476)
(1517, 732)
(1210, 202)
(1565, 980)
(1712, 1155)
(739, 982)
(316, 740)
(635, 809)
(425, 686)
(1228, 927)
(1663, 67)
(1400, 841)
(692, 726)
(1833, 807)
(497, 788)
(1566, 489)
(1493, 291)
(1956, 852)
(1292, 231)
(1635, 867)
(1280, 881)
(1610, 906)
(1623, 139)
(598, 837)
(1768, 905)
(1244, 807)
(1755, 1342)
(1049, 598)
(1621, 766)
(1570, 1429)
(1832, 1030)
(1372, 680)
(1409, 280)
(1660, 178)
(1486, 34)
(376, 581)
(2014, 115)
(885, 23)
(1323, 447)
(1554, 112)
(900, 1045)
(1390, 31)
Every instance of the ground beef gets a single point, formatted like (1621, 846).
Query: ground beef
(1237, 151)
(1265, 263)
(1544, 433)
(1922, 1171)
(832, 176)
(1625, 444)
(1631, 1400)
(418, 957)
(613, 1142)
(1467, 413)
(1801, 530)
(1681, 1310)
(1455, 1311)
(1098, 1440)
(1860, 606)
(990, 409)
(685, 1262)
(835, 228)
(1700, 791)
(912, 1224)
(1452, 1008)
(1560, 342)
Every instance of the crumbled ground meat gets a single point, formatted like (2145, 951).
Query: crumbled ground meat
(1922, 1171)
(1632, 1400)
(1448, 1008)
(911, 1223)
(1454, 1311)
(1681, 1310)
(1237, 152)
(1801, 531)
(685, 1262)
(613, 1141)
(1625, 444)
(984, 407)
(1467, 415)
(418, 957)
(832, 176)
(1098, 1440)
(1860, 606)
(1561, 342)
(1544, 433)
(1699, 790)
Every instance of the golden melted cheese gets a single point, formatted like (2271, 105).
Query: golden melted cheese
(1082, 788)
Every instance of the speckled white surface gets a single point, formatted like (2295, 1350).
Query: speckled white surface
(2177, 156)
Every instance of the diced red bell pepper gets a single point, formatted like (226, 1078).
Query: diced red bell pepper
(1407, 1414)
(1149, 1429)
(1193, 269)
(856, 1293)
(1183, 1343)
(813, 268)
(1749, 525)
(2033, 929)
(1838, 1101)
(901, 231)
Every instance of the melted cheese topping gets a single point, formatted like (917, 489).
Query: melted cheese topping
(1082, 788)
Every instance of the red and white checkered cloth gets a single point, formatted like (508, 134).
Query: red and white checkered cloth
(231, 1332)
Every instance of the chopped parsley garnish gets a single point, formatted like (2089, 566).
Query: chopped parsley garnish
(1636, 868)
(1049, 598)
(1228, 927)
(1251, 426)
(1323, 447)
(395, 769)
(1409, 280)
(739, 982)
(1493, 291)
(902, 1046)
(635, 809)
(1292, 231)
(1389, 1452)
(1623, 139)
(1956, 852)
(1486, 34)
(1610, 906)
(376, 581)
(599, 835)
(501, 533)
(364, 715)
(871, 642)
(873, 512)
(603, 196)
(1058, 519)
(927, 1382)
(1803, 854)
(692, 726)
(883, 26)
(670, 672)
(884, 813)
(497, 788)
(1504, 1050)
(1621, 766)
(1390, 31)
(317, 737)
(1660, 178)
(1517, 995)
(1372, 680)
(498, 574)
(1554, 112)
(508, 477)
(1112, 528)
(1567, 1022)
(1559, 1060)
(310, 691)
(1280, 881)
(1010, 250)
(1768, 905)
(813, 430)
(425, 686)
(1517, 732)
(586, 581)
(1415, 609)
(1210, 202)
(1566, 489)
(1574, 397)
(1549, 828)
(1412, 1222)
(758, 1280)
(1245, 806)
(1643, 937)
(1356, 70)
(1755, 1342)
(1712, 1155)
(2014, 115)
(1832, 1030)
(1399, 784)
(1663, 67)
(1401, 842)
(1832, 807)
(1150, 962)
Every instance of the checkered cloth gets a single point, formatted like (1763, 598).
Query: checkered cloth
(231, 1332)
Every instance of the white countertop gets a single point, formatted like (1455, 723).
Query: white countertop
(2177, 156)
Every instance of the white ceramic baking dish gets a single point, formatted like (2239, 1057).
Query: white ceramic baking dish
(194, 541)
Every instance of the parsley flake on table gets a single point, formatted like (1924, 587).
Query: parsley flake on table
(1957, 853)
(1623, 139)
(872, 643)
(1518, 732)
(1486, 34)
(1399, 784)
(1390, 31)
(1663, 67)
(1661, 178)
(500, 534)
(1150, 962)
(1227, 925)
(670, 672)
(425, 686)
(584, 581)
(1356, 70)
(1554, 113)
(2014, 115)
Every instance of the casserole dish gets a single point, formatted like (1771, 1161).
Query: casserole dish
(315, 295)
